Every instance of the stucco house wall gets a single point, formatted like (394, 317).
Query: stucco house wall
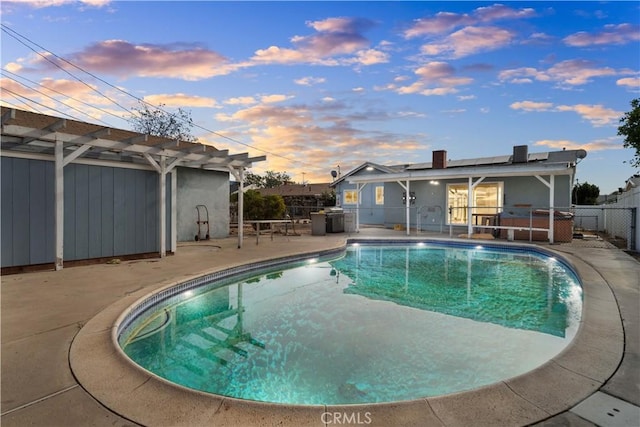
(202, 187)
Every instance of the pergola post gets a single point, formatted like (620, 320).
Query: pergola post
(551, 185)
(552, 191)
(163, 169)
(174, 210)
(163, 207)
(59, 203)
(241, 208)
(408, 208)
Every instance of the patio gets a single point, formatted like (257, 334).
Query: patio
(43, 312)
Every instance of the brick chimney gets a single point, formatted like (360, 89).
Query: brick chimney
(439, 159)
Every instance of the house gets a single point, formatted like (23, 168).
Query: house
(501, 193)
(74, 191)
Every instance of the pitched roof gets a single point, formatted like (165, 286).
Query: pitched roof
(375, 166)
(553, 162)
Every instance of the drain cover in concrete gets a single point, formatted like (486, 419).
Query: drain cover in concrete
(608, 411)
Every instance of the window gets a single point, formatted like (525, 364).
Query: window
(350, 197)
(487, 202)
(380, 195)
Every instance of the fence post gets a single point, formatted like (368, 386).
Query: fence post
(631, 241)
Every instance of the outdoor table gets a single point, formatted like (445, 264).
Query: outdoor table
(271, 222)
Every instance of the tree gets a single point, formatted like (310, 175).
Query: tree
(259, 207)
(158, 122)
(630, 129)
(275, 179)
(585, 194)
(251, 178)
(271, 179)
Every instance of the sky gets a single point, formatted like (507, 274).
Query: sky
(323, 86)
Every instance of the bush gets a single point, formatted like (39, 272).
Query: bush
(258, 207)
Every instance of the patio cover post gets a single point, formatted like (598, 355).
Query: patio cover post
(59, 203)
(469, 213)
(241, 207)
(359, 188)
(163, 170)
(408, 208)
(163, 207)
(551, 185)
(552, 191)
(174, 210)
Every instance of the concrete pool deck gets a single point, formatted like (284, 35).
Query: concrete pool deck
(59, 367)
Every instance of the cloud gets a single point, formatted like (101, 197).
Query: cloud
(469, 41)
(40, 4)
(611, 143)
(436, 78)
(337, 41)
(241, 100)
(631, 82)
(52, 96)
(309, 81)
(611, 34)
(444, 22)
(573, 72)
(531, 106)
(434, 71)
(125, 59)
(312, 137)
(270, 99)
(499, 12)
(596, 114)
(180, 100)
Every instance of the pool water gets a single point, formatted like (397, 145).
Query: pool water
(378, 324)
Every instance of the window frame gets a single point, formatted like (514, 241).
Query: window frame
(463, 203)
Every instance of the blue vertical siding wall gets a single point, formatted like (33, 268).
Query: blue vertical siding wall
(27, 212)
(108, 212)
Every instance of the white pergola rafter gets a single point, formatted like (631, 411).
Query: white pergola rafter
(65, 141)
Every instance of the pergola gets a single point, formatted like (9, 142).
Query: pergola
(474, 176)
(38, 136)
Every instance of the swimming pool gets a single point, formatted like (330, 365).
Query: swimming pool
(376, 323)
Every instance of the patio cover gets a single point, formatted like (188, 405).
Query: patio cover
(31, 135)
(474, 175)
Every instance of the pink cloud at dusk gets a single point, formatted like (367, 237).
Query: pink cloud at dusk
(611, 34)
(443, 22)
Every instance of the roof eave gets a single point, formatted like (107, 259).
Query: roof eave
(458, 173)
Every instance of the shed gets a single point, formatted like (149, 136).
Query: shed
(77, 191)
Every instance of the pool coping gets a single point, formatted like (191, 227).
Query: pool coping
(102, 369)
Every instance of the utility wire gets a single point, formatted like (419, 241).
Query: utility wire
(17, 36)
(24, 104)
(40, 104)
(14, 34)
(57, 100)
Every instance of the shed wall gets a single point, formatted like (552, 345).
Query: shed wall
(108, 212)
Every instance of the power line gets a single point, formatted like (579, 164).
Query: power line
(40, 104)
(14, 34)
(57, 100)
(24, 104)
(17, 36)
